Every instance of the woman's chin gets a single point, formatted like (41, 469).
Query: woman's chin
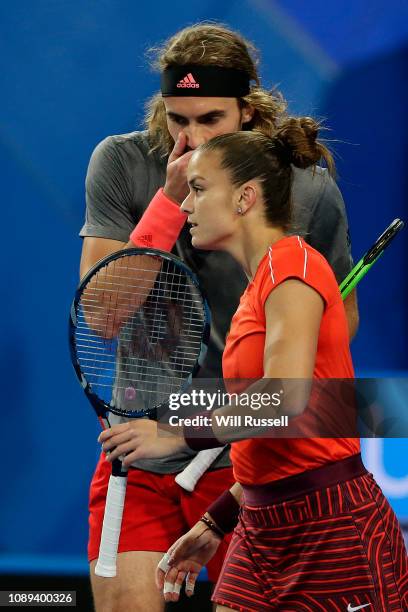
(199, 244)
(206, 245)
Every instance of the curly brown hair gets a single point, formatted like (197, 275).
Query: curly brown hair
(205, 44)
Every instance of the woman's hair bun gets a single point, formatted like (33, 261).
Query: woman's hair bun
(296, 142)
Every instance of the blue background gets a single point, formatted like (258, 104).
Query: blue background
(74, 72)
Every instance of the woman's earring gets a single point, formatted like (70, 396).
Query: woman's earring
(239, 210)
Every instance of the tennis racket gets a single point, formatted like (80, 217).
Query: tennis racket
(370, 257)
(188, 478)
(139, 327)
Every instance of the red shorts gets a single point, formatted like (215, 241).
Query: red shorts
(157, 510)
(332, 549)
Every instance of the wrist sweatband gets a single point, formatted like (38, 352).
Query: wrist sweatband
(224, 511)
(201, 437)
(160, 224)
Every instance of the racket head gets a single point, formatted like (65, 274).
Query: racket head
(370, 257)
(132, 364)
(383, 241)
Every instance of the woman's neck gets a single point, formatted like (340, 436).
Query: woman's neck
(252, 246)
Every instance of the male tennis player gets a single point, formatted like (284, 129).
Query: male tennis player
(209, 86)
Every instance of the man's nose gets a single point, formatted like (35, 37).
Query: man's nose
(196, 136)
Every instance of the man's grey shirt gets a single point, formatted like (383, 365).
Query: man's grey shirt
(123, 176)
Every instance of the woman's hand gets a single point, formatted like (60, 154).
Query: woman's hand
(139, 439)
(184, 560)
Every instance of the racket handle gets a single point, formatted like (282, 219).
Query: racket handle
(112, 520)
(188, 478)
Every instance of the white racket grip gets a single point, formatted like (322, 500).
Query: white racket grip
(112, 520)
(188, 478)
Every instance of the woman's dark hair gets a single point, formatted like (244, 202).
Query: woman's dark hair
(253, 155)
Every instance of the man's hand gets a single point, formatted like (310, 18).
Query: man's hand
(139, 439)
(184, 560)
(176, 187)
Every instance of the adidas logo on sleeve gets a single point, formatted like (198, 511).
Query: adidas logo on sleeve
(146, 239)
(188, 81)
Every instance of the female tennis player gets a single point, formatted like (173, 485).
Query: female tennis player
(314, 531)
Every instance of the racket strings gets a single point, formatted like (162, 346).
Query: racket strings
(139, 331)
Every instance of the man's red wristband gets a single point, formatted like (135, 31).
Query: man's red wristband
(160, 224)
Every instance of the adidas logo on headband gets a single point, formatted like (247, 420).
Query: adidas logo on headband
(188, 81)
